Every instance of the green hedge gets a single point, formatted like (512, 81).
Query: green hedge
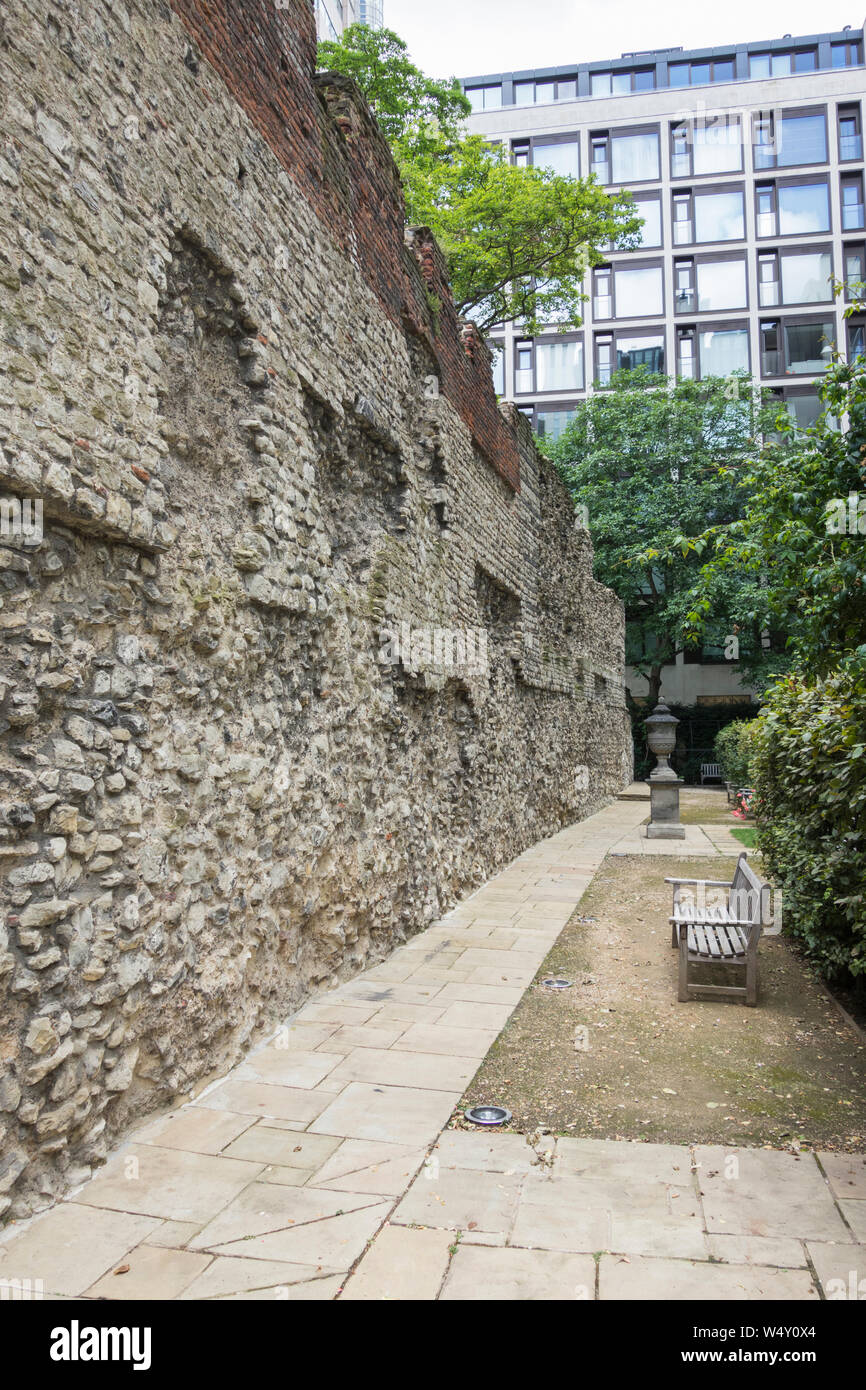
(810, 778)
(734, 748)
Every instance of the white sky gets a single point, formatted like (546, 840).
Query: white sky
(466, 38)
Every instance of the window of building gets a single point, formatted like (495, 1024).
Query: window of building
(792, 347)
(768, 279)
(856, 340)
(634, 158)
(684, 228)
(793, 138)
(696, 74)
(497, 366)
(845, 55)
(559, 366)
(605, 84)
(855, 270)
(852, 201)
(792, 209)
(520, 153)
(721, 284)
(600, 157)
(806, 277)
(706, 147)
(684, 286)
(602, 300)
(719, 216)
(638, 291)
(485, 98)
(552, 424)
(528, 93)
(560, 156)
(524, 377)
(722, 351)
(850, 132)
(782, 64)
(650, 209)
(626, 352)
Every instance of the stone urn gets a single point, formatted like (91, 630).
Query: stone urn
(661, 730)
(664, 783)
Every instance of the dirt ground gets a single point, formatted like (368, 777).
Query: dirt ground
(644, 1066)
(706, 806)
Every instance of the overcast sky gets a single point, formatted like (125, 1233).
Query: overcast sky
(469, 37)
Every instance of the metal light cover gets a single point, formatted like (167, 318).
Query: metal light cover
(488, 1115)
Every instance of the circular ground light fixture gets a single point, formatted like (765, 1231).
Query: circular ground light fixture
(488, 1115)
(556, 983)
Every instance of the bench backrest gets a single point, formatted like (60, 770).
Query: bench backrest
(751, 898)
(711, 769)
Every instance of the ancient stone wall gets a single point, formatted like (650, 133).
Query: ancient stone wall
(307, 644)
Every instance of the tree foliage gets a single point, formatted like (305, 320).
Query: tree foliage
(655, 464)
(517, 240)
(794, 536)
(810, 772)
(413, 109)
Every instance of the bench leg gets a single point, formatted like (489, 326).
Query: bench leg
(683, 992)
(752, 979)
(675, 940)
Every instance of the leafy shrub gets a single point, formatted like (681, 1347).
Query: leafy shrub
(810, 775)
(734, 748)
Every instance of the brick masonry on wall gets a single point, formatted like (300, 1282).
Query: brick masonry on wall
(310, 644)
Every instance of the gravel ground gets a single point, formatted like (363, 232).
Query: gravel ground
(617, 1056)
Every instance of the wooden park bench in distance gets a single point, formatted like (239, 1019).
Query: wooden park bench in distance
(722, 932)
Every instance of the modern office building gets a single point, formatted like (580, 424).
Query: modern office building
(333, 16)
(746, 163)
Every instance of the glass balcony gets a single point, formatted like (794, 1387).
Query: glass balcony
(851, 147)
(852, 216)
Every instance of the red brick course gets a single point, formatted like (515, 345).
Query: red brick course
(324, 136)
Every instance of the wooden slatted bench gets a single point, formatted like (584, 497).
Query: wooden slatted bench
(711, 772)
(724, 931)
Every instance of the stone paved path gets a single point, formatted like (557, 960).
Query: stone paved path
(318, 1167)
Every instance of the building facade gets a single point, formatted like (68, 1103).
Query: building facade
(746, 163)
(333, 16)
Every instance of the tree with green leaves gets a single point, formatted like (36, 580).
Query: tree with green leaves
(411, 109)
(655, 464)
(517, 240)
(800, 534)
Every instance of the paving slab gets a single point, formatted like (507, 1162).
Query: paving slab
(293, 1067)
(262, 1144)
(478, 1273)
(171, 1183)
(71, 1246)
(489, 1153)
(202, 1131)
(644, 1279)
(401, 1265)
(846, 1174)
(393, 1114)
(315, 1290)
(262, 1209)
(150, 1272)
(393, 1066)
(227, 1274)
(460, 1198)
(265, 1100)
(760, 1192)
(334, 1244)
(841, 1270)
(362, 1165)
